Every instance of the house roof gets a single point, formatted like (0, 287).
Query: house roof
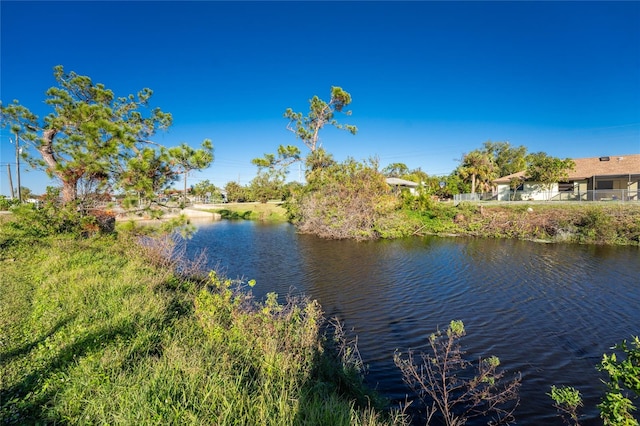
(616, 165)
(401, 182)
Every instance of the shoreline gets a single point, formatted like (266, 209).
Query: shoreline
(190, 213)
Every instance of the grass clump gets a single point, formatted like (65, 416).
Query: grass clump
(99, 331)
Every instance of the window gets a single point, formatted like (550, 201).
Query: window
(563, 186)
(604, 184)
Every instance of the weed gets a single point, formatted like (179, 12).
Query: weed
(449, 386)
(567, 401)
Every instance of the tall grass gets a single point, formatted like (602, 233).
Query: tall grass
(586, 223)
(92, 332)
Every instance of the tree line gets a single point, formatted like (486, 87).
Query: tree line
(94, 142)
(97, 143)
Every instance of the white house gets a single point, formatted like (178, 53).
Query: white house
(593, 179)
(397, 184)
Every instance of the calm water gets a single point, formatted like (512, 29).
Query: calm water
(548, 311)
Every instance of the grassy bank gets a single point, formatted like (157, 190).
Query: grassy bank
(100, 330)
(270, 212)
(587, 223)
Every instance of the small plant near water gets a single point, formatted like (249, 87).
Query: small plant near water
(567, 400)
(623, 387)
(452, 388)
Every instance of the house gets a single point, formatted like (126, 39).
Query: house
(398, 184)
(593, 179)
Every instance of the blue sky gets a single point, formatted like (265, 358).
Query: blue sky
(429, 80)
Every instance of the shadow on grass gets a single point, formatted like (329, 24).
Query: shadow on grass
(27, 402)
(230, 214)
(337, 371)
(6, 357)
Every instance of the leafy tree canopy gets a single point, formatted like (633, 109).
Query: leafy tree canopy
(395, 170)
(507, 159)
(478, 167)
(547, 169)
(307, 129)
(187, 159)
(93, 135)
(205, 188)
(235, 192)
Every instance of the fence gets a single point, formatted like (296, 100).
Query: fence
(616, 195)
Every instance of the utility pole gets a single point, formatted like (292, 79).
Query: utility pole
(10, 181)
(18, 165)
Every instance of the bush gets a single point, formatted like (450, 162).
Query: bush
(623, 386)
(451, 388)
(344, 200)
(567, 400)
(7, 203)
(595, 226)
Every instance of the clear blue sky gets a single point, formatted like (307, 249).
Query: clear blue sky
(429, 80)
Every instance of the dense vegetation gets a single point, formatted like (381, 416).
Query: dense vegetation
(96, 143)
(587, 223)
(99, 327)
(105, 330)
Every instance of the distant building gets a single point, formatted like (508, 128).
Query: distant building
(593, 179)
(398, 184)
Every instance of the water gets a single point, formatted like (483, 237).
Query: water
(548, 311)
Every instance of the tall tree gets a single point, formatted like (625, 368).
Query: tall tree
(395, 170)
(205, 188)
(188, 159)
(266, 186)
(548, 170)
(479, 167)
(287, 155)
(235, 192)
(416, 175)
(90, 133)
(145, 175)
(508, 159)
(307, 129)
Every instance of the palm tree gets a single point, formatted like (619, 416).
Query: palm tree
(478, 166)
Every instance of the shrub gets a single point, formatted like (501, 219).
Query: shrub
(344, 200)
(7, 203)
(451, 388)
(623, 385)
(595, 226)
(567, 400)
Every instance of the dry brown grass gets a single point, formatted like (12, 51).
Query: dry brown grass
(585, 223)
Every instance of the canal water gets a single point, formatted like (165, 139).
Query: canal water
(548, 311)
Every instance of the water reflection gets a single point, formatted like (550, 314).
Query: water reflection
(548, 311)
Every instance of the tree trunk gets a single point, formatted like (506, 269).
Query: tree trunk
(69, 183)
(69, 190)
(473, 183)
(185, 188)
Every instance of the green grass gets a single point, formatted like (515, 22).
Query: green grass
(94, 332)
(271, 212)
